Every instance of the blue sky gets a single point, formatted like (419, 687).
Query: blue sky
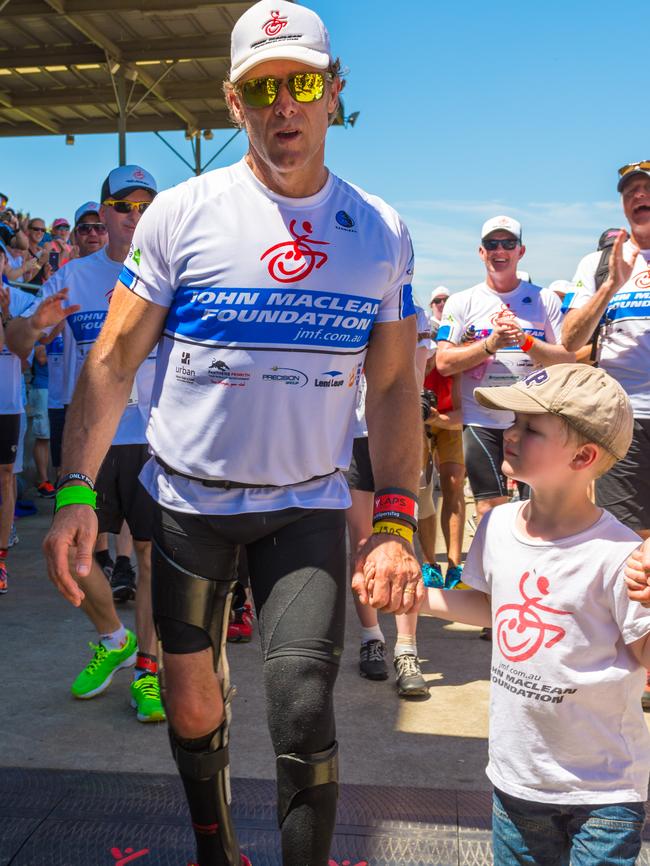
(468, 110)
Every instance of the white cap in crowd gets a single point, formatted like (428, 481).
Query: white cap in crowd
(125, 179)
(86, 207)
(278, 30)
(440, 292)
(501, 223)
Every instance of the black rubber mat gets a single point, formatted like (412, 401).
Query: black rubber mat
(67, 818)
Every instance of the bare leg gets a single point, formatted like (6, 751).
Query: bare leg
(147, 640)
(193, 699)
(98, 602)
(452, 515)
(485, 505)
(124, 542)
(41, 458)
(427, 536)
(8, 493)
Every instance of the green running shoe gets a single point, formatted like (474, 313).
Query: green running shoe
(145, 698)
(99, 673)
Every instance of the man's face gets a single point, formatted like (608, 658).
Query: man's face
(90, 234)
(437, 306)
(636, 202)
(122, 225)
(35, 232)
(288, 135)
(501, 260)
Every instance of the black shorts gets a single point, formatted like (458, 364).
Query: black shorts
(483, 448)
(57, 420)
(120, 496)
(359, 476)
(625, 489)
(9, 435)
(297, 564)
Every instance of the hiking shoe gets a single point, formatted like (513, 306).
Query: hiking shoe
(97, 676)
(145, 698)
(432, 575)
(4, 586)
(645, 697)
(486, 634)
(13, 536)
(123, 580)
(372, 663)
(46, 490)
(240, 630)
(410, 682)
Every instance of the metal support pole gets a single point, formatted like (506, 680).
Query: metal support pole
(120, 89)
(197, 153)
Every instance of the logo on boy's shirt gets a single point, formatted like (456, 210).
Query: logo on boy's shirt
(523, 629)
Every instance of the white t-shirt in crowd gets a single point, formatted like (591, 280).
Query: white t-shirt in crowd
(624, 342)
(54, 351)
(566, 724)
(11, 377)
(538, 313)
(271, 303)
(90, 282)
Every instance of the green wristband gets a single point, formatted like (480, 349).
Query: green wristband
(77, 494)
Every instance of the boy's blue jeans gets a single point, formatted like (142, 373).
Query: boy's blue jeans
(525, 833)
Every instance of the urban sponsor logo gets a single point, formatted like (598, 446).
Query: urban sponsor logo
(185, 373)
(221, 374)
(295, 260)
(334, 379)
(286, 376)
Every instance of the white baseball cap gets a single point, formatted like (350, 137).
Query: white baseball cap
(86, 207)
(440, 292)
(278, 30)
(126, 178)
(501, 223)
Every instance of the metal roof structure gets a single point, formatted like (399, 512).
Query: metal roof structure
(72, 67)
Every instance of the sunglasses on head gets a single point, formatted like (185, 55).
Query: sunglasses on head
(124, 206)
(303, 87)
(495, 243)
(36, 228)
(86, 228)
(633, 166)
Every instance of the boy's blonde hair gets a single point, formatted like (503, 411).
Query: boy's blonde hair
(605, 460)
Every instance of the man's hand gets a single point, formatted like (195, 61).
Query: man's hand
(637, 574)
(620, 267)
(51, 311)
(387, 574)
(74, 527)
(506, 332)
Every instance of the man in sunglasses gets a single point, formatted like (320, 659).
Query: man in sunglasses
(270, 284)
(439, 297)
(90, 233)
(494, 334)
(89, 281)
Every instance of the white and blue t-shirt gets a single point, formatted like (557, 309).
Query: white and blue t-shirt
(271, 303)
(90, 282)
(624, 340)
(11, 375)
(538, 313)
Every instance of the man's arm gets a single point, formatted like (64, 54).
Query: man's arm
(452, 359)
(386, 565)
(130, 331)
(23, 331)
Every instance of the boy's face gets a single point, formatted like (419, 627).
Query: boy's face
(537, 451)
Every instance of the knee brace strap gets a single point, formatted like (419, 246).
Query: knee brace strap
(297, 773)
(181, 595)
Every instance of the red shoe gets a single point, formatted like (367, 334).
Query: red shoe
(240, 630)
(46, 490)
(3, 577)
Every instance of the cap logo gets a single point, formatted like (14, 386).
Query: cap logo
(536, 378)
(275, 23)
(138, 174)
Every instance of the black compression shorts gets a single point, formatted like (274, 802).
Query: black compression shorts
(297, 566)
(483, 448)
(120, 496)
(57, 420)
(625, 489)
(9, 434)
(359, 476)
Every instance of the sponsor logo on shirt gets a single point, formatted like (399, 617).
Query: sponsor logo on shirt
(286, 376)
(642, 281)
(221, 374)
(294, 260)
(344, 221)
(331, 379)
(185, 373)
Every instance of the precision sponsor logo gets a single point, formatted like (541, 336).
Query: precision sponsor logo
(286, 375)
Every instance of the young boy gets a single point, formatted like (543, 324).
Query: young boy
(569, 749)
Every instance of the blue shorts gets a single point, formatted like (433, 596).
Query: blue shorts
(525, 833)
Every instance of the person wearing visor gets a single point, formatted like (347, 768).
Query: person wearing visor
(496, 333)
(269, 285)
(89, 281)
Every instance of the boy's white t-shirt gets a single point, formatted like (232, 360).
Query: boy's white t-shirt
(566, 724)
(538, 313)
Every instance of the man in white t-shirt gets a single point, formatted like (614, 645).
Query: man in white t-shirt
(494, 334)
(269, 284)
(126, 193)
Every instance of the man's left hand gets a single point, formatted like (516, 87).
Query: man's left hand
(387, 575)
(51, 311)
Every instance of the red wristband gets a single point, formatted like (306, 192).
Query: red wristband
(527, 345)
(394, 503)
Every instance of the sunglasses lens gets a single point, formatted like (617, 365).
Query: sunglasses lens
(86, 228)
(626, 169)
(260, 92)
(508, 244)
(307, 86)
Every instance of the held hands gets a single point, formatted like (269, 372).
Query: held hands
(51, 311)
(637, 574)
(73, 531)
(506, 333)
(620, 266)
(387, 574)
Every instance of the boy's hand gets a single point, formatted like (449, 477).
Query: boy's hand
(637, 574)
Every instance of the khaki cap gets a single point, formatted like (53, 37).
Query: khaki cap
(588, 399)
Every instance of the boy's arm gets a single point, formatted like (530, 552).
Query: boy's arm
(458, 605)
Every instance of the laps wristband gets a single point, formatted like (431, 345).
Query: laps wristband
(75, 476)
(393, 503)
(75, 495)
(527, 344)
(387, 527)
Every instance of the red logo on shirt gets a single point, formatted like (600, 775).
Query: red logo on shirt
(520, 629)
(643, 280)
(503, 314)
(295, 260)
(275, 24)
